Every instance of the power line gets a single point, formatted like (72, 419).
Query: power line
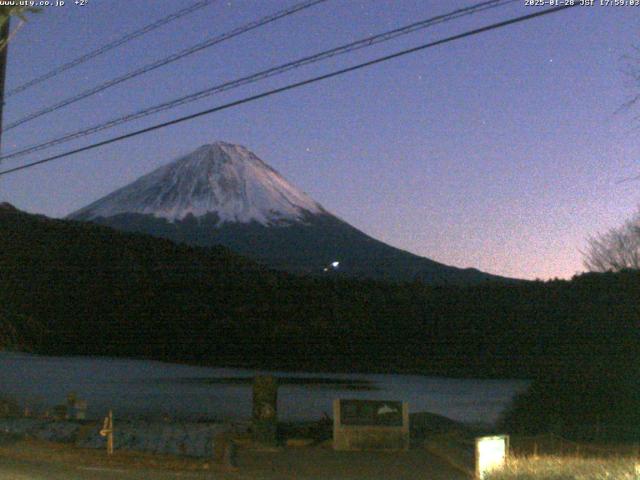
(166, 60)
(363, 43)
(110, 46)
(292, 86)
(4, 45)
(366, 42)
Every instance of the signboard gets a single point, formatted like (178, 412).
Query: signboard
(370, 425)
(491, 454)
(371, 412)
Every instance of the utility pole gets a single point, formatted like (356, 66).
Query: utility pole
(4, 47)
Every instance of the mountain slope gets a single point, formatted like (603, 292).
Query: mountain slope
(303, 247)
(222, 194)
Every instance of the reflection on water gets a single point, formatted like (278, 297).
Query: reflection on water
(308, 382)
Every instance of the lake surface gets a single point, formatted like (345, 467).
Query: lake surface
(142, 388)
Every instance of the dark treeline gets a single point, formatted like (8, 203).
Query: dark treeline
(93, 290)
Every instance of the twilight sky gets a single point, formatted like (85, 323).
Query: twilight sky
(501, 151)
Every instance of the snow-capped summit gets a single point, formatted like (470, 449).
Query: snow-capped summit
(221, 178)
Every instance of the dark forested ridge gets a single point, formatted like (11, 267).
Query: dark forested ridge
(75, 288)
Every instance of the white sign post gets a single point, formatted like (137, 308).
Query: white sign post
(491, 454)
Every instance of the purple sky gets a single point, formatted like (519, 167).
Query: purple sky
(502, 151)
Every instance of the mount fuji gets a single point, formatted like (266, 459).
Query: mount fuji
(223, 194)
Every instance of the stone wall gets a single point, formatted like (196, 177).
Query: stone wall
(189, 439)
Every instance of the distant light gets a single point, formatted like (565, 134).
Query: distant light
(332, 266)
(491, 454)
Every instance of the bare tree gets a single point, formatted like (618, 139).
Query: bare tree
(631, 70)
(615, 250)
